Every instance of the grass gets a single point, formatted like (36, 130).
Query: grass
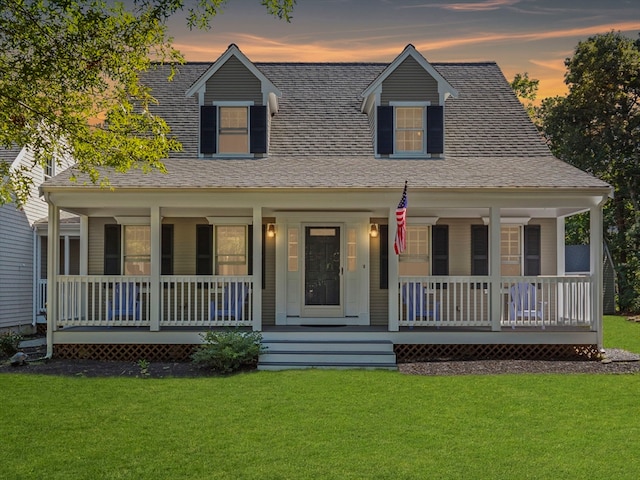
(324, 424)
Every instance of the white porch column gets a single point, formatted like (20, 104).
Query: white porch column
(257, 269)
(394, 324)
(560, 248)
(53, 262)
(67, 252)
(495, 274)
(84, 245)
(153, 297)
(595, 261)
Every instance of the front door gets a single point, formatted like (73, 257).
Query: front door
(322, 271)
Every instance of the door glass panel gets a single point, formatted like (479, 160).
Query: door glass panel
(322, 266)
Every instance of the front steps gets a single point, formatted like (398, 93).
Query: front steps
(339, 354)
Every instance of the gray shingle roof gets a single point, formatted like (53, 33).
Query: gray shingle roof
(320, 138)
(9, 154)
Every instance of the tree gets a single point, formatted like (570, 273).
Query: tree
(70, 82)
(596, 127)
(526, 89)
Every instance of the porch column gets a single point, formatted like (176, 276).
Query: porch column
(257, 269)
(84, 245)
(495, 274)
(153, 297)
(394, 321)
(560, 248)
(595, 261)
(67, 251)
(53, 262)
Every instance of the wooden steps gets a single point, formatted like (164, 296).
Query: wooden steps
(338, 354)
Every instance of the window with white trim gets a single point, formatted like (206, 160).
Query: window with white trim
(233, 129)
(510, 250)
(231, 245)
(409, 130)
(137, 249)
(415, 259)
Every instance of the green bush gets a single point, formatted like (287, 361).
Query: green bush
(9, 343)
(227, 351)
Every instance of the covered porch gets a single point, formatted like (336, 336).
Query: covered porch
(272, 294)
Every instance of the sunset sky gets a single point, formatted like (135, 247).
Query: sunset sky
(532, 36)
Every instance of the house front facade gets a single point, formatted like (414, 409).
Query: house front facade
(279, 215)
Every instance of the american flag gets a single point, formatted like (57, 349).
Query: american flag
(401, 219)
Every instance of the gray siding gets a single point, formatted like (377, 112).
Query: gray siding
(96, 244)
(269, 292)
(378, 298)
(16, 268)
(233, 82)
(410, 82)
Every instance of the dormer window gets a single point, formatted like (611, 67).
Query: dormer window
(233, 129)
(233, 134)
(410, 130)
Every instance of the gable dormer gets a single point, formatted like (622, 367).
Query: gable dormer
(236, 104)
(405, 105)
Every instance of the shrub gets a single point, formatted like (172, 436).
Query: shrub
(9, 343)
(227, 351)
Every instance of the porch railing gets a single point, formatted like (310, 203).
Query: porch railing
(189, 301)
(41, 296)
(186, 301)
(541, 301)
(440, 301)
(547, 301)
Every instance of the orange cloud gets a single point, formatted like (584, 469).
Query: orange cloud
(475, 7)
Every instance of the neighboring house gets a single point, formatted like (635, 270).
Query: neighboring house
(279, 215)
(21, 291)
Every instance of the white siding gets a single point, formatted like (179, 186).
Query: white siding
(16, 268)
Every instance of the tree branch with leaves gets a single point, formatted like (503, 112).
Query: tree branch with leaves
(70, 82)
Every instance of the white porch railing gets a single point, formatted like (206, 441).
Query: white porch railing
(440, 301)
(547, 301)
(539, 301)
(199, 301)
(41, 296)
(115, 301)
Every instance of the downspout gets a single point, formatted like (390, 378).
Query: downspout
(596, 263)
(34, 276)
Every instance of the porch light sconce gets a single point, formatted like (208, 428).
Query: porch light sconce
(373, 230)
(271, 230)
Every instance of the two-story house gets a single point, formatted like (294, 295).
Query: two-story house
(279, 215)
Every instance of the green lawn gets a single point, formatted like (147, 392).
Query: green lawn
(325, 424)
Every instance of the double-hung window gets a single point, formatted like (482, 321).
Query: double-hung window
(231, 250)
(415, 258)
(409, 130)
(234, 129)
(137, 249)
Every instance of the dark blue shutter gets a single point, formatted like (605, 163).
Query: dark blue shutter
(258, 128)
(532, 249)
(204, 249)
(440, 249)
(435, 129)
(112, 249)
(208, 128)
(166, 267)
(250, 249)
(479, 250)
(384, 256)
(385, 130)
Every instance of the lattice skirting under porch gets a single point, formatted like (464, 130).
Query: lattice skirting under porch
(125, 352)
(406, 353)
